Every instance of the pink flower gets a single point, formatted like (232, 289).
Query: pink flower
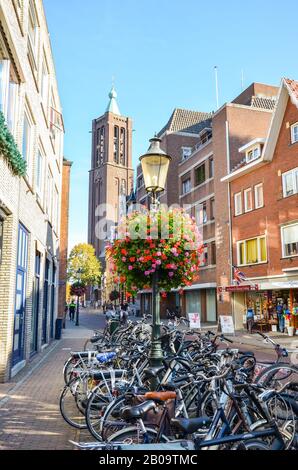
(171, 274)
(147, 273)
(158, 261)
(123, 259)
(130, 268)
(158, 253)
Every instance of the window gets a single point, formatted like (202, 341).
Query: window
(186, 152)
(27, 133)
(290, 182)
(289, 235)
(116, 144)
(204, 256)
(201, 214)
(259, 196)
(212, 208)
(248, 200)
(39, 174)
(213, 253)
(44, 83)
(211, 167)
(186, 186)
(200, 174)
(294, 133)
(9, 94)
(140, 181)
(49, 201)
(32, 29)
(122, 146)
(252, 251)
(238, 204)
(1, 237)
(253, 154)
(56, 128)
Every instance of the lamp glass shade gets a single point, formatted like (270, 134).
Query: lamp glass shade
(155, 170)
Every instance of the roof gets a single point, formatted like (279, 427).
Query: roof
(292, 86)
(184, 120)
(113, 105)
(262, 102)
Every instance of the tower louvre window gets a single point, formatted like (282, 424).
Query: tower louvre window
(116, 144)
(122, 146)
(102, 145)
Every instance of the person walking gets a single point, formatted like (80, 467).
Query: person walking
(72, 310)
(250, 319)
(281, 318)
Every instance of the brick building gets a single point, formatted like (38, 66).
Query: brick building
(29, 205)
(111, 174)
(63, 245)
(205, 147)
(264, 202)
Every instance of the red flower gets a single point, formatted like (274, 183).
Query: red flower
(124, 251)
(132, 259)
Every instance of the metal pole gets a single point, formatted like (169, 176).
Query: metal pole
(77, 312)
(156, 354)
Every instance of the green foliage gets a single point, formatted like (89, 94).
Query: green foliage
(9, 150)
(83, 266)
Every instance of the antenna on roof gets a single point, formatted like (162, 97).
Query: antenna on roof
(216, 85)
(242, 79)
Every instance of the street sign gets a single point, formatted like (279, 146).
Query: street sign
(242, 288)
(227, 325)
(194, 321)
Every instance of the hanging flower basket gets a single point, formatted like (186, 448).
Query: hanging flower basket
(78, 289)
(167, 242)
(114, 295)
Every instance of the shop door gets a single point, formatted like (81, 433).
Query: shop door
(45, 303)
(35, 307)
(211, 305)
(53, 287)
(20, 302)
(193, 302)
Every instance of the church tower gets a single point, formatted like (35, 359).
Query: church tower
(111, 174)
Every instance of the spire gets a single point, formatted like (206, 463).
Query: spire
(113, 105)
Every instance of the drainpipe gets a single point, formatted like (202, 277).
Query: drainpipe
(230, 216)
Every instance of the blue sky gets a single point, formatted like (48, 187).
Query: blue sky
(162, 54)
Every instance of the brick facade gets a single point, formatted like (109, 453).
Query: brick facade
(21, 202)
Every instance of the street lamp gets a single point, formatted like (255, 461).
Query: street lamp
(155, 165)
(79, 273)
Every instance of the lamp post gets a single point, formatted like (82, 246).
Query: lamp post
(79, 273)
(155, 164)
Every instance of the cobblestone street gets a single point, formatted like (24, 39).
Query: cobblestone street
(29, 405)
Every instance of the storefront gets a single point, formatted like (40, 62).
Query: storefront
(267, 300)
(201, 300)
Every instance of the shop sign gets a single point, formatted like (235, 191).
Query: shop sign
(227, 325)
(243, 288)
(194, 321)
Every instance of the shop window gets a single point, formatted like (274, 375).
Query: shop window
(238, 204)
(259, 196)
(200, 175)
(289, 235)
(290, 182)
(248, 200)
(252, 251)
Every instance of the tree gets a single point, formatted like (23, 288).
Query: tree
(84, 269)
(83, 266)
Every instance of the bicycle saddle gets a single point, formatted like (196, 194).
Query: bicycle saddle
(83, 354)
(160, 396)
(153, 371)
(192, 425)
(138, 411)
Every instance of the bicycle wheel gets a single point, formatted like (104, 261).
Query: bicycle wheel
(253, 444)
(73, 401)
(277, 375)
(98, 402)
(133, 435)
